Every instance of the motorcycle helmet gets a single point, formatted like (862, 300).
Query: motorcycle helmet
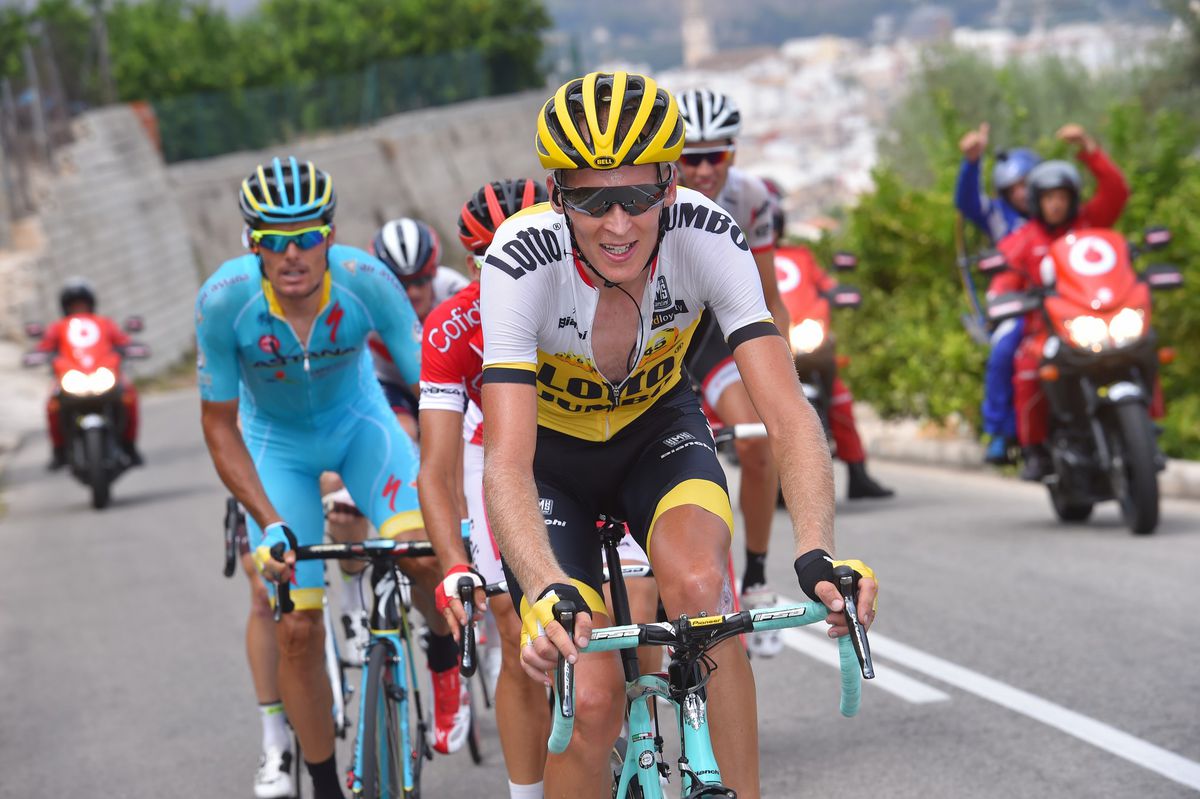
(1012, 166)
(1050, 175)
(410, 248)
(77, 289)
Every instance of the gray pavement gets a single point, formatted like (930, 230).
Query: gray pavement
(1017, 656)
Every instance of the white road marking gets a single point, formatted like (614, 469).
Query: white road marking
(819, 647)
(1103, 736)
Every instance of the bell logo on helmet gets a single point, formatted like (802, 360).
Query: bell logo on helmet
(605, 160)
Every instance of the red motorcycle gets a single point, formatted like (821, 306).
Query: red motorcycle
(810, 295)
(89, 396)
(1099, 365)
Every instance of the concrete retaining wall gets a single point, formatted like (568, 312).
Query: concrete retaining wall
(423, 164)
(108, 215)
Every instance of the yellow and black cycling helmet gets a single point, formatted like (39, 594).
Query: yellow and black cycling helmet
(606, 120)
(287, 191)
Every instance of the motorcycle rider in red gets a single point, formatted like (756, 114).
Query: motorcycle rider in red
(1055, 203)
(78, 301)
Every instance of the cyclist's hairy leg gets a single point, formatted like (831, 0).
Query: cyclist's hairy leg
(689, 549)
(760, 477)
(522, 715)
(582, 772)
(261, 651)
(303, 683)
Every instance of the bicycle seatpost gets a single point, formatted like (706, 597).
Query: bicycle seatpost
(611, 534)
(564, 614)
(846, 580)
(466, 594)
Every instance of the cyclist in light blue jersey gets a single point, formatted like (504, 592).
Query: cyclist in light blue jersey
(281, 337)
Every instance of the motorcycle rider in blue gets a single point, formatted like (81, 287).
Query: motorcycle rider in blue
(996, 217)
(281, 337)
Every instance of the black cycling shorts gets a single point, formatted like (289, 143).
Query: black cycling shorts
(709, 361)
(663, 460)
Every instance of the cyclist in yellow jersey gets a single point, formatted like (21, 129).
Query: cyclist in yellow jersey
(588, 304)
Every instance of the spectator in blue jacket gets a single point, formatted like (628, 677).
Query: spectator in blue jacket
(997, 217)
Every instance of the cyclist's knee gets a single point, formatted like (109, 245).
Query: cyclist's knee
(301, 635)
(754, 455)
(599, 706)
(693, 586)
(330, 482)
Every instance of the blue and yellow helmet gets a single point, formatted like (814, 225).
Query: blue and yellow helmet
(287, 191)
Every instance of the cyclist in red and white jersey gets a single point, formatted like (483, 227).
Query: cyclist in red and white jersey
(411, 250)
(706, 165)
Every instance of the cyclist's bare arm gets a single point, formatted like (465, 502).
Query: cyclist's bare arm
(765, 261)
(232, 460)
(511, 496)
(805, 469)
(440, 491)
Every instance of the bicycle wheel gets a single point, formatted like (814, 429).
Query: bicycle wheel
(382, 769)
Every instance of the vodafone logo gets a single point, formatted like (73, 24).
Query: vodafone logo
(787, 273)
(82, 332)
(461, 323)
(1091, 256)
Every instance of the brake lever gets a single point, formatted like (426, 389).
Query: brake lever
(846, 580)
(466, 594)
(283, 588)
(564, 614)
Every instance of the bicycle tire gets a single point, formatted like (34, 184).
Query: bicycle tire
(382, 771)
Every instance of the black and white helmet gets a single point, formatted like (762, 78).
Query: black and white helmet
(410, 248)
(708, 116)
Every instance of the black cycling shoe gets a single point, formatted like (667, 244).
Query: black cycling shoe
(58, 459)
(862, 486)
(1037, 463)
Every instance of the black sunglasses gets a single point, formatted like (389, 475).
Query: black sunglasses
(595, 201)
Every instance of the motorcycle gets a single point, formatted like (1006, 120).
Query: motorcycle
(1098, 369)
(87, 370)
(810, 296)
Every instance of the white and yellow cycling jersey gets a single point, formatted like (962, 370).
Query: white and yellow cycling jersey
(539, 303)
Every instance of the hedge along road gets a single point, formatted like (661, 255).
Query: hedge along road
(1016, 656)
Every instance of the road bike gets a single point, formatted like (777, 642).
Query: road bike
(639, 765)
(391, 744)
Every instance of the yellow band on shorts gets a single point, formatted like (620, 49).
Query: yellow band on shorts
(704, 494)
(403, 522)
(304, 598)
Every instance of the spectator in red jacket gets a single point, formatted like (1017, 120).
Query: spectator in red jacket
(1055, 203)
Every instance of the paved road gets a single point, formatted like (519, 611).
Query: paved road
(1017, 657)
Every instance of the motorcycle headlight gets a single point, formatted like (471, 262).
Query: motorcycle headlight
(1127, 326)
(1088, 332)
(807, 336)
(98, 382)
